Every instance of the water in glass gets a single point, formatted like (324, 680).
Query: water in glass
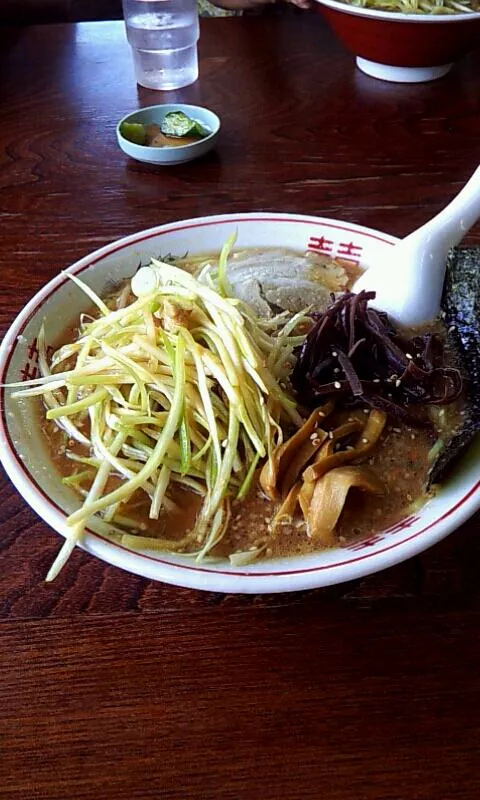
(163, 35)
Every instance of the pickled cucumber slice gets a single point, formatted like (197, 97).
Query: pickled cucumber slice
(134, 132)
(176, 123)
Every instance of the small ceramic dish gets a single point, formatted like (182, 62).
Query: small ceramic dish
(170, 155)
(402, 48)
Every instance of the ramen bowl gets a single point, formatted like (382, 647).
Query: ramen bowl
(403, 48)
(28, 460)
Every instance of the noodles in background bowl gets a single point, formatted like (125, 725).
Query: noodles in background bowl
(418, 6)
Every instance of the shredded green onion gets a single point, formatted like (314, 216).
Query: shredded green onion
(179, 388)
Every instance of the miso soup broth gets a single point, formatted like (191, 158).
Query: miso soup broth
(193, 411)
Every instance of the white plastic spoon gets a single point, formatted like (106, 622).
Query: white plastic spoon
(408, 283)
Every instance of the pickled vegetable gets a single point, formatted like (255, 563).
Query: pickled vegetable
(133, 132)
(176, 123)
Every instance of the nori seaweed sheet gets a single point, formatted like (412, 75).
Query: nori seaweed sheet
(461, 307)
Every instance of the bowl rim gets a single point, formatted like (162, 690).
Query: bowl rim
(350, 564)
(397, 16)
(181, 107)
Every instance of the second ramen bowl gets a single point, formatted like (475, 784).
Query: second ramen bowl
(403, 48)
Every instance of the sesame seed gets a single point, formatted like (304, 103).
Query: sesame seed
(330, 434)
(398, 383)
(397, 430)
(337, 385)
(334, 353)
(313, 436)
(336, 371)
(409, 356)
(376, 380)
(365, 441)
(412, 436)
(452, 328)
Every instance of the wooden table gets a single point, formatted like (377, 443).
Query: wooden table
(112, 686)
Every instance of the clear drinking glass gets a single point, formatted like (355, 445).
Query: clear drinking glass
(163, 35)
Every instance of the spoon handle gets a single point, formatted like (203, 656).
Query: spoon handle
(454, 221)
(426, 251)
(410, 290)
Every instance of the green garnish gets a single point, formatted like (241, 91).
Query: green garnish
(133, 132)
(180, 388)
(176, 123)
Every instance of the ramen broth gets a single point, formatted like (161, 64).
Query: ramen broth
(400, 459)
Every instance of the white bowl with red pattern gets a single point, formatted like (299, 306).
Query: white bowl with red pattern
(28, 462)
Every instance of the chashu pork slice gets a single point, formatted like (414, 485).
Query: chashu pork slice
(275, 280)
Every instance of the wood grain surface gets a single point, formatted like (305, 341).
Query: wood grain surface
(112, 686)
